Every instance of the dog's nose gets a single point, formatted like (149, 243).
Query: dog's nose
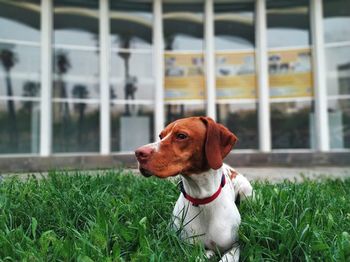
(143, 153)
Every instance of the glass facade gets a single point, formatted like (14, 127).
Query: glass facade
(337, 42)
(19, 77)
(236, 91)
(184, 77)
(76, 90)
(131, 75)
(290, 74)
(75, 76)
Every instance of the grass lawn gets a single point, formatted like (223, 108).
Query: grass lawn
(116, 218)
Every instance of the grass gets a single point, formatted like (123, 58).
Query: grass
(124, 218)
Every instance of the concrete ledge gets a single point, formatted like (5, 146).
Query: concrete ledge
(38, 164)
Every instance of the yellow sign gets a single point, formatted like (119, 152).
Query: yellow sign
(235, 75)
(184, 77)
(290, 73)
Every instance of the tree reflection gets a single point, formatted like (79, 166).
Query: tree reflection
(62, 66)
(290, 129)
(81, 92)
(8, 60)
(30, 89)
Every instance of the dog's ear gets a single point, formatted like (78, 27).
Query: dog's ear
(219, 142)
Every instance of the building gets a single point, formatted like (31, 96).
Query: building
(101, 77)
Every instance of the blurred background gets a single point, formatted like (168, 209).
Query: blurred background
(103, 77)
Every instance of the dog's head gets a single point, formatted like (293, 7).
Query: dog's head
(187, 146)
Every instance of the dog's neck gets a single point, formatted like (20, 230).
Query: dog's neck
(204, 184)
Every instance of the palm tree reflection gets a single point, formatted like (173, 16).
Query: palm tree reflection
(80, 92)
(8, 60)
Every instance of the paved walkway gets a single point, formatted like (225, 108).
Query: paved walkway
(277, 174)
(272, 174)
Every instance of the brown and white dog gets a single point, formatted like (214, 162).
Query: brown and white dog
(205, 210)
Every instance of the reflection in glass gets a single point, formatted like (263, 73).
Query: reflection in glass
(177, 111)
(184, 76)
(75, 67)
(336, 20)
(76, 127)
(339, 123)
(20, 20)
(288, 23)
(19, 126)
(292, 124)
(19, 65)
(235, 75)
(76, 23)
(126, 135)
(338, 70)
(242, 120)
(133, 90)
(234, 26)
(132, 76)
(131, 24)
(183, 26)
(134, 64)
(290, 73)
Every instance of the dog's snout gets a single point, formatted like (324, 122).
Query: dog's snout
(143, 153)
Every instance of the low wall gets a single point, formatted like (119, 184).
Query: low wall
(37, 164)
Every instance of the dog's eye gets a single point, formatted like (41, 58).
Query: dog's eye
(160, 137)
(181, 136)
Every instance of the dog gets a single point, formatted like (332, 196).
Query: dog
(205, 210)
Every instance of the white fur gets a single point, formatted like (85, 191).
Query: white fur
(214, 224)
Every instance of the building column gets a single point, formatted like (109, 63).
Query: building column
(105, 114)
(158, 67)
(209, 59)
(262, 74)
(46, 25)
(319, 77)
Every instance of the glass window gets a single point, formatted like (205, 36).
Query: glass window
(127, 121)
(19, 70)
(234, 26)
(338, 70)
(183, 26)
(292, 125)
(76, 23)
(337, 37)
(131, 24)
(288, 23)
(242, 120)
(290, 74)
(177, 111)
(75, 68)
(19, 126)
(131, 74)
(137, 68)
(184, 79)
(76, 76)
(76, 127)
(20, 20)
(339, 123)
(236, 91)
(19, 76)
(336, 20)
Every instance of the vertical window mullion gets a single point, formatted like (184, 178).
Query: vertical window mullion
(319, 77)
(46, 25)
(210, 58)
(262, 77)
(158, 65)
(105, 139)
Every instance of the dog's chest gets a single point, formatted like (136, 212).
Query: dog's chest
(215, 224)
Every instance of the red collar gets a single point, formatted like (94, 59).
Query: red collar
(203, 201)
